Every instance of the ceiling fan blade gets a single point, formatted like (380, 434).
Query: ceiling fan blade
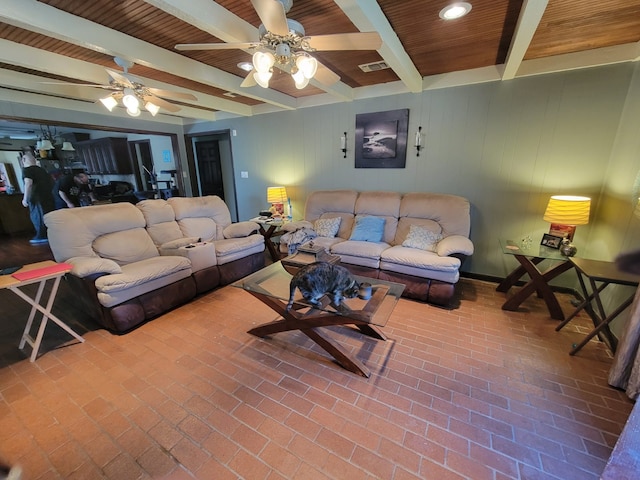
(249, 81)
(118, 77)
(346, 41)
(161, 103)
(171, 94)
(326, 76)
(272, 16)
(215, 46)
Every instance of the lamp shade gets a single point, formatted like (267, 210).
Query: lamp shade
(276, 195)
(568, 210)
(67, 147)
(46, 145)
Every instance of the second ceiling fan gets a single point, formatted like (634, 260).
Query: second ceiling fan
(283, 44)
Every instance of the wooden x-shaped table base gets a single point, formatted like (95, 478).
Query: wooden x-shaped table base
(312, 320)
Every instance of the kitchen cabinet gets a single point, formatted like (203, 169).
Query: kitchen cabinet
(109, 155)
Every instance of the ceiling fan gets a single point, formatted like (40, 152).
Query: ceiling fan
(283, 44)
(133, 93)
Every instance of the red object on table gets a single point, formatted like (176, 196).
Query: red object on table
(42, 272)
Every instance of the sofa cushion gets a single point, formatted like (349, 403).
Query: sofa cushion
(202, 227)
(161, 221)
(141, 272)
(126, 246)
(422, 238)
(327, 227)
(414, 257)
(210, 207)
(141, 277)
(357, 248)
(368, 229)
(231, 249)
(73, 230)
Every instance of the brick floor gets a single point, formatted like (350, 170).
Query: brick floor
(470, 393)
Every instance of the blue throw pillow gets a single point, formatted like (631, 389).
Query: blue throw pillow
(368, 229)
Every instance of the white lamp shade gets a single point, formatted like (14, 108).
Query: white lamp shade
(262, 78)
(300, 79)
(67, 147)
(152, 108)
(130, 100)
(276, 195)
(263, 61)
(568, 210)
(46, 145)
(109, 102)
(134, 112)
(307, 65)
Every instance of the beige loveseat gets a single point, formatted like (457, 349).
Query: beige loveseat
(424, 237)
(134, 262)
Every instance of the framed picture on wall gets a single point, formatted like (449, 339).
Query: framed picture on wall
(381, 139)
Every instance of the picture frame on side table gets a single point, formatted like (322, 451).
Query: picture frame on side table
(551, 241)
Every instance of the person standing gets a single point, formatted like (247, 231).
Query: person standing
(37, 194)
(73, 190)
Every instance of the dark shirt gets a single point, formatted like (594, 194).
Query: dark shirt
(71, 189)
(41, 187)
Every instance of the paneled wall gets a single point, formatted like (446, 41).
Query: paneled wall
(507, 146)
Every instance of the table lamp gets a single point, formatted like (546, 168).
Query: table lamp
(276, 196)
(564, 212)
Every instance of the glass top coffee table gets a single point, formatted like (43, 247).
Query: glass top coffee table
(271, 286)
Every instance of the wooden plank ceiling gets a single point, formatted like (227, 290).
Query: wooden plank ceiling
(427, 45)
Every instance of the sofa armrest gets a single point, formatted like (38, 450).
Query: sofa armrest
(85, 266)
(454, 244)
(240, 229)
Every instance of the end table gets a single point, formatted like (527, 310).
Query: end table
(529, 257)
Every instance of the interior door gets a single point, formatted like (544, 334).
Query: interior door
(142, 163)
(209, 168)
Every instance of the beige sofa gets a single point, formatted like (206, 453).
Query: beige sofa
(424, 237)
(134, 262)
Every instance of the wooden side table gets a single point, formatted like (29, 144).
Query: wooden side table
(604, 273)
(270, 229)
(529, 258)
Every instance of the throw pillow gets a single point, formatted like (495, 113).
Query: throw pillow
(420, 237)
(368, 229)
(327, 227)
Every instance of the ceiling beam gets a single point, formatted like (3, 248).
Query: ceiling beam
(528, 21)
(368, 16)
(55, 64)
(41, 18)
(210, 17)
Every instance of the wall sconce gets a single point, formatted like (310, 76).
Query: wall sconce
(418, 141)
(343, 144)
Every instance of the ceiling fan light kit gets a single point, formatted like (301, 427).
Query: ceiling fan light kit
(283, 43)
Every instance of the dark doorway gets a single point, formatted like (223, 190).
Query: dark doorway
(209, 168)
(142, 164)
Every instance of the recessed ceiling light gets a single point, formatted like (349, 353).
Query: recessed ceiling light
(246, 66)
(455, 10)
